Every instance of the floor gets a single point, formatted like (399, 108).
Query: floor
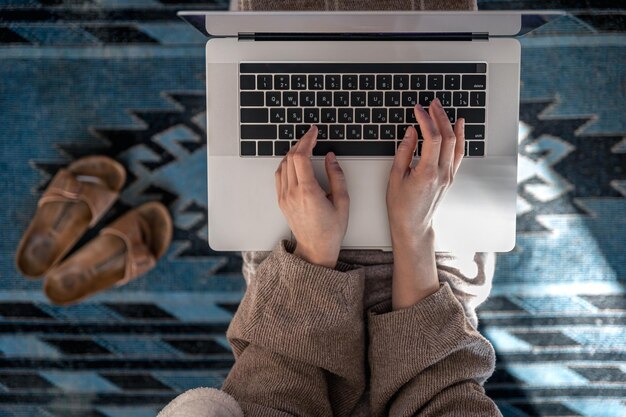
(125, 78)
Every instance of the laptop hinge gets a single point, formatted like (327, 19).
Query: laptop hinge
(443, 36)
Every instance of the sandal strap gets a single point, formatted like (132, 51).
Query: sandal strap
(139, 259)
(65, 186)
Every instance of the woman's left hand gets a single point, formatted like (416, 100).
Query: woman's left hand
(317, 219)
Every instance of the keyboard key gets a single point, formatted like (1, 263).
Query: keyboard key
(294, 115)
(346, 116)
(290, 98)
(285, 132)
(400, 82)
(451, 113)
(254, 115)
(453, 82)
(353, 131)
(341, 99)
(401, 131)
(410, 116)
(281, 82)
(383, 82)
(281, 147)
(307, 98)
(324, 99)
(435, 82)
(476, 148)
(460, 99)
(375, 98)
(350, 82)
(419, 131)
(311, 115)
(333, 82)
(426, 97)
(329, 115)
(277, 115)
(362, 115)
(246, 82)
(477, 98)
(471, 115)
(396, 115)
(298, 82)
(418, 82)
(379, 116)
(316, 82)
(272, 98)
(392, 98)
(265, 148)
(370, 132)
(264, 81)
(387, 132)
(258, 131)
(409, 98)
(367, 82)
(445, 97)
(253, 98)
(344, 148)
(474, 131)
(301, 130)
(474, 82)
(358, 98)
(248, 148)
(322, 132)
(337, 132)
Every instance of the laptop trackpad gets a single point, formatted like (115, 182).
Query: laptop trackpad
(366, 180)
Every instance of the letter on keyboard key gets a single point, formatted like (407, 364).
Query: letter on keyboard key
(252, 98)
(258, 131)
(471, 115)
(357, 148)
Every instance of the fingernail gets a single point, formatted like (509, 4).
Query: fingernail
(332, 156)
(420, 108)
(436, 102)
(311, 127)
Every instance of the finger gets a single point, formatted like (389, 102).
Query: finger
(432, 137)
(278, 182)
(404, 154)
(283, 177)
(336, 180)
(448, 142)
(302, 156)
(291, 169)
(459, 149)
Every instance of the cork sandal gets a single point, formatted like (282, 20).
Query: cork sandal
(75, 200)
(127, 248)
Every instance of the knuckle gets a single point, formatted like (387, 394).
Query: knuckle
(451, 138)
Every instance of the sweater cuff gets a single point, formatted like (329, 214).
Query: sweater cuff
(435, 326)
(304, 311)
(290, 246)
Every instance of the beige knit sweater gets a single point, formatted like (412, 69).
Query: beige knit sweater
(299, 339)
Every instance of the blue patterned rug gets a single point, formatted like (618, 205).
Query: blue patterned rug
(125, 78)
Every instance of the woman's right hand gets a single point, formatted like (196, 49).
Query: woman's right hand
(414, 193)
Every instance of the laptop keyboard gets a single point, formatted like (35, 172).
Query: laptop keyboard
(359, 109)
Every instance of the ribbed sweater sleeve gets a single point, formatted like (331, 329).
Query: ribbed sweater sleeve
(428, 360)
(298, 339)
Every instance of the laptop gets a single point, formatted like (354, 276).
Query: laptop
(357, 76)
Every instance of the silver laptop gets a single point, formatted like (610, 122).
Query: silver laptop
(357, 76)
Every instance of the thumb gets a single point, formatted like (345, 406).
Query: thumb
(336, 180)
(404, 153)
